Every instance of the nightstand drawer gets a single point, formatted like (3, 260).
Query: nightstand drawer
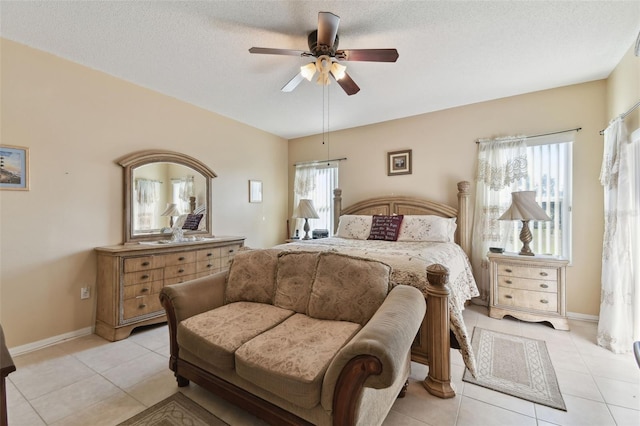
(525, 299)
(522, 271)
(527, 284)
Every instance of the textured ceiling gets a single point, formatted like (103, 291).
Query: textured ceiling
(451, 53)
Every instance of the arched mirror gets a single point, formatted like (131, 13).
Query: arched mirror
(165, 191)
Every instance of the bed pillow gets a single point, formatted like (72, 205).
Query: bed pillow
(354, 227)
(428, 228)
(192, 222)
(385, 228)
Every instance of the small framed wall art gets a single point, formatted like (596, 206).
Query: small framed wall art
(255, 191)
(399, 163)
(14, 168)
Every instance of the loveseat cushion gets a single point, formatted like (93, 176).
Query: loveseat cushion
(252, 276)
(215, 335)
(294, 278)
(348, 288)
(290, 359)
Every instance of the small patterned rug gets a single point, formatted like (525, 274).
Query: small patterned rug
(177, 410)
(515, 365)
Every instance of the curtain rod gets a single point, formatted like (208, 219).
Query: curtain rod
(318, 161)
(629, 111)
(577, 129)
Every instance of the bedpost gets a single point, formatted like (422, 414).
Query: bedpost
(438, 381)
(337, 208)
(464, 230)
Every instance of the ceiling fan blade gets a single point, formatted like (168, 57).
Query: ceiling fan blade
(293, 83)
(269, 51)
(327, 28)
(348, 85)
(371, 55)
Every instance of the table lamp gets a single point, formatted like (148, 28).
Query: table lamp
(524, 207)
(171, 211)
(306, 211)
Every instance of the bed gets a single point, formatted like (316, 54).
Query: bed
(418, 263)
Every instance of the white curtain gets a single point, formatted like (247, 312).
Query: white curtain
(502, 165)
(316, 182)
(619, 324)
(146, 197)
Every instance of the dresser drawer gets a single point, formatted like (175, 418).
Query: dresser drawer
(207, 254)
(528, 284)
(142, 305)
(536, 300)
(209, 266)
(142, 263)
(144, 276)
(229, 250)
(146, 289)
(179, 270)
(180, 279)
(180, 258)
(522, 271)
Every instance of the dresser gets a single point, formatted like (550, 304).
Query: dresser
(530, 288)
(131, 276)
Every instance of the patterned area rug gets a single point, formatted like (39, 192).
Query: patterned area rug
(516, 366)
(177, 410)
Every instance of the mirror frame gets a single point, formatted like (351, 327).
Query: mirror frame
(142, 158)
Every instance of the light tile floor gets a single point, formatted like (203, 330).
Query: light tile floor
(89, 381)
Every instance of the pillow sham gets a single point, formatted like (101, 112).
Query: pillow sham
(192, 221)
(427, 228)
(385, 228)
(354, 227)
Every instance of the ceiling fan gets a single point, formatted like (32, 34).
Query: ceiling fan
(323, 45)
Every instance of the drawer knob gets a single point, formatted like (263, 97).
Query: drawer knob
(181, 258)
(144, 290)
(145, 263)
(209, 254)
(544, 286)
(144, 277)
(231, 250)
(508, 296)
(180, 270)
(508, 270)
(544, 301)
(544, 274)
(209, 265)
(509, 282)
(142, 306)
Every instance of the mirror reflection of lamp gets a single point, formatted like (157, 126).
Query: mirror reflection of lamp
(171, 211)
(524, 207)
(306, 211)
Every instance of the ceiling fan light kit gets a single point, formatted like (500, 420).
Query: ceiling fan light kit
(323, 45)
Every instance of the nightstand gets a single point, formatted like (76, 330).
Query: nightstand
(530, 288)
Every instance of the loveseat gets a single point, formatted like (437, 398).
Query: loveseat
(296, 337)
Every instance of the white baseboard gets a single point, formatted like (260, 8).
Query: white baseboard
(582, 317)
(30, 347)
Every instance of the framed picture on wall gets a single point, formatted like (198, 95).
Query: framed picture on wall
(14, 168)
(399, 163)
(255, 191)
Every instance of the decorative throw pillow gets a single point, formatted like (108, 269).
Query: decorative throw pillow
(428, 228)
(294, 276)
(385, 227)
(354, 227)
(192, 221)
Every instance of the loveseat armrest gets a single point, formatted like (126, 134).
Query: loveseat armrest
(195, 296)
(387, 338)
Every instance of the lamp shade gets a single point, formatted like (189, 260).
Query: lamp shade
(171, 210)
(306, 210)
(524, 207)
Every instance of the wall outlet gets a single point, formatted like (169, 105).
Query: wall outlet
(85, 292)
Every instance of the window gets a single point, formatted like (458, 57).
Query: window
(549, 174)
(316, 182)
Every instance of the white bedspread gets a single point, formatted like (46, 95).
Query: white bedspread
(409, 261)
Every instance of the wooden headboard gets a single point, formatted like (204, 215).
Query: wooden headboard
(412, 206)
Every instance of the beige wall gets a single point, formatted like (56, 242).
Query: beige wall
(444, 153)
(623, 89)
(76, 123)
